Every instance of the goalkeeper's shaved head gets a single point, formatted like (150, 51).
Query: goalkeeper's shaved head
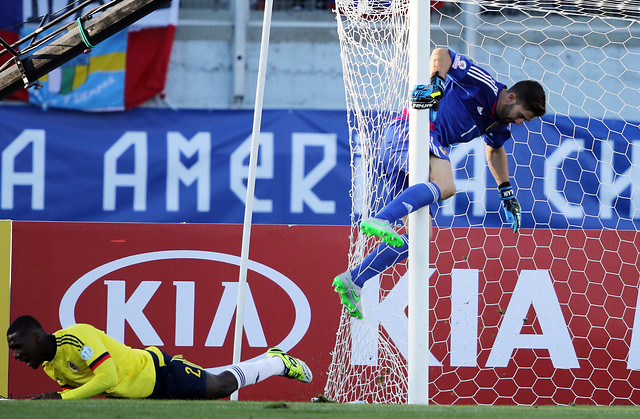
(531, 96)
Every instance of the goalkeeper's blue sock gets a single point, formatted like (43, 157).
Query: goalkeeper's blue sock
(409, 200)
(379, 260)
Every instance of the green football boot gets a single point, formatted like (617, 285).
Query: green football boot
(293, 367)
(383, 229)
(349, 294)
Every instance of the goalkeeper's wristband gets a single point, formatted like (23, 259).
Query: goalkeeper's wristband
(438, 81)
(506, 191)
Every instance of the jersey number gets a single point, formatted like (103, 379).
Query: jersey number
(191, 371)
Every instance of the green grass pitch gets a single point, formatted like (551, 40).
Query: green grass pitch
(102, 408)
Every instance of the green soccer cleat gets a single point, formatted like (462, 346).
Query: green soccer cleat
(293, 367)
(349, 294)
(383, 229)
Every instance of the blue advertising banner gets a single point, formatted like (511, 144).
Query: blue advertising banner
(152, 165)
(166, 166)
(569, 173)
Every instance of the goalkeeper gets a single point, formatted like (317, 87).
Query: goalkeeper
(87, 362)
(465, 102)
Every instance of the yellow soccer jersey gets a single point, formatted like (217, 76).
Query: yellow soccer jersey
(88, 362)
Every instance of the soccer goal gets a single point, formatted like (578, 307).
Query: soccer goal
(544, 316)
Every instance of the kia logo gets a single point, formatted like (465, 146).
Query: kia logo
(299, 300)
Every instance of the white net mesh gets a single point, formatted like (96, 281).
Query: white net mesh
(542, 316)
(373, 40)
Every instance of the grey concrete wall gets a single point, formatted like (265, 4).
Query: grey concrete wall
(304, 67)
(299, 75)
(585, 73)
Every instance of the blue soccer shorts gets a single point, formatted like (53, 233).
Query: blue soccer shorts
(397, 178)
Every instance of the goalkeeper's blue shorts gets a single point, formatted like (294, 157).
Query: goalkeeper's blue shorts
(437, 149)
(395, 155)
(394, 150)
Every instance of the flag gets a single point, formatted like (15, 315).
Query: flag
(120, 73)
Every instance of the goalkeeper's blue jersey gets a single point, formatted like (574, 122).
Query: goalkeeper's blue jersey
(466, 111)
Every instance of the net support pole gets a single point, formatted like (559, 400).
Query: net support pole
(241, 20)
(251, 183)
(419, 73)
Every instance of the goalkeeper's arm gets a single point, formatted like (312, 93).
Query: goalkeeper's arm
(497, 161)
(440, 62)
(425, 96)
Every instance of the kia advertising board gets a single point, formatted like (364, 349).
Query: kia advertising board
(557, 317)
(174, 286)
(539, 317)
(543, 316)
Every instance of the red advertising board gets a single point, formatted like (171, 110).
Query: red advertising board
(538, 317)
(172, 285)
(556, 313)
(544, 316)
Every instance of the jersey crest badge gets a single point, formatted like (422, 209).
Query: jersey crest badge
(459, 63)
(86, 353)
(73, 367)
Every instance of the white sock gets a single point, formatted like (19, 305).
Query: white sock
(252, 372)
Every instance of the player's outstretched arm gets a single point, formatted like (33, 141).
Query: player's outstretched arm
(497, 161)
(105, 377)
(510, 205)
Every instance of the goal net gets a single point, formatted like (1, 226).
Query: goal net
(547, 315)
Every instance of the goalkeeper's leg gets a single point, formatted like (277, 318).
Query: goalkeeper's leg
(411, 199)
(379, 260)
(349, 284)
(441, 186)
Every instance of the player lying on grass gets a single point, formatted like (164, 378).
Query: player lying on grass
(465, 102)
(87, 362)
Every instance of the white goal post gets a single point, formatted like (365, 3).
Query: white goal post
(548, 315)
(418, 292)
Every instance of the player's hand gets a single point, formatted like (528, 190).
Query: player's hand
(428, 96)
(47, 396)
(511, 206)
